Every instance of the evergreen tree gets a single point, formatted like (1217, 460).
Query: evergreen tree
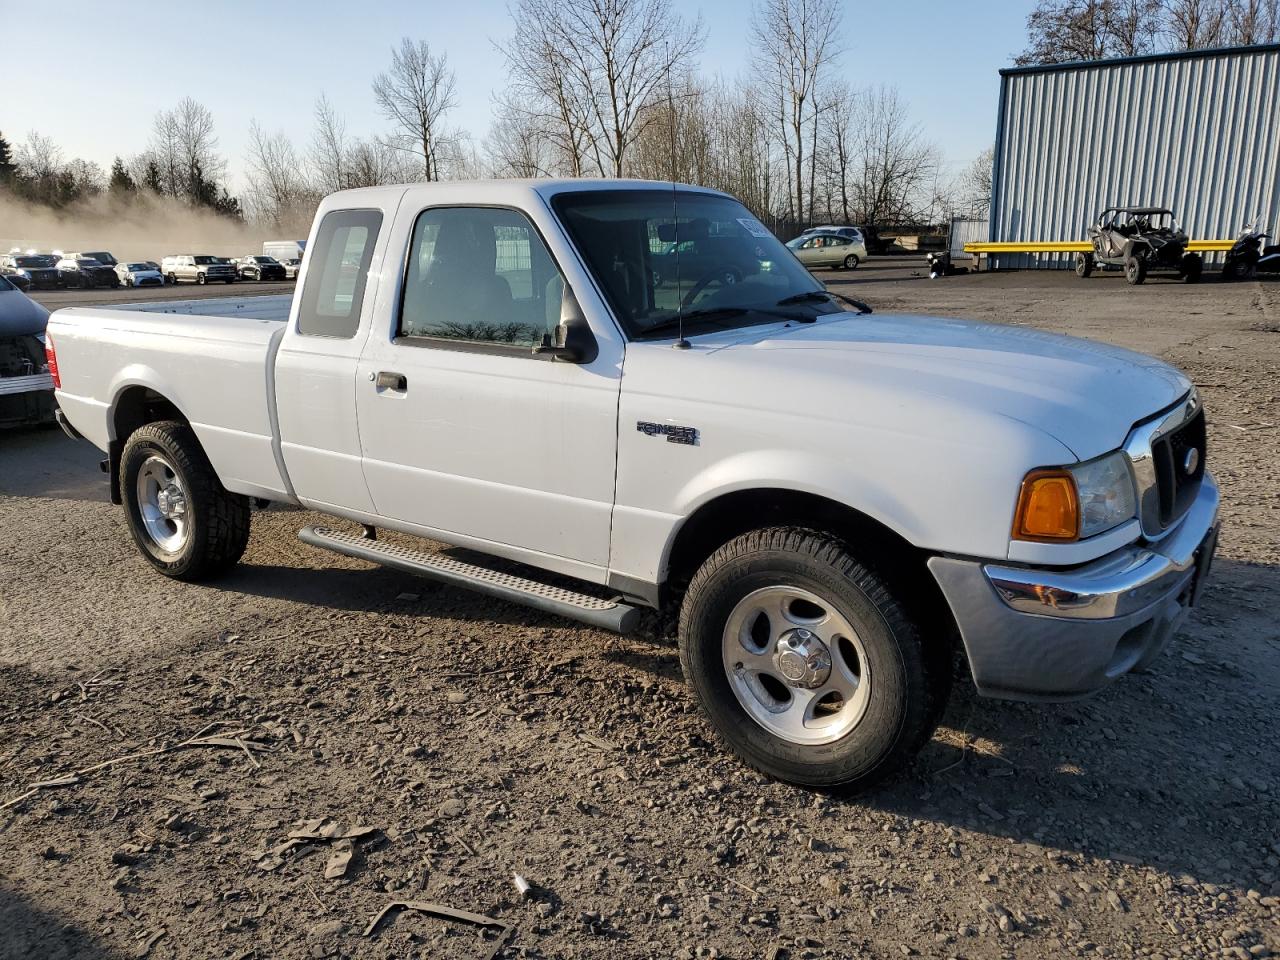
(8, 170)
(121, 184)
(151, 178)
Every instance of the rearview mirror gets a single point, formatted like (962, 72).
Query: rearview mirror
(573, 341)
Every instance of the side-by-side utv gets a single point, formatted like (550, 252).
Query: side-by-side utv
(1139, 240)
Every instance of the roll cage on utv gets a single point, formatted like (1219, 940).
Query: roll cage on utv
(1139, 240)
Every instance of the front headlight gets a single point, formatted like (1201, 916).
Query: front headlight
(1106, 492)
(1062, 504)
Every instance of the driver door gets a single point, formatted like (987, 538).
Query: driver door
(465, 434)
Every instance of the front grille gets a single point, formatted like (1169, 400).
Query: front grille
(1175, 485)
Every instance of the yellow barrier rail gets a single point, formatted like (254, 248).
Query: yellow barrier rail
(1074, 246)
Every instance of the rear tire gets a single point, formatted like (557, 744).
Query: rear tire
(183, 520)
(1192, 267)
(876, 667)
(1084, 264)
(1135, 270)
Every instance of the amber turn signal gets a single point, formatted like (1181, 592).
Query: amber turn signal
(1048, 507)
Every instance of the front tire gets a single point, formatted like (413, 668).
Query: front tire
(805, 663)
(851, 262)
(200, 279)
(183, 520)
(1084, 265)
(1135, 270)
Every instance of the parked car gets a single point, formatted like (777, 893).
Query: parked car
(692, 250)
(102, 256)
(260, 268)
(86, 273)
(139, 274)
(868, 235)
(1139, 240)
(17, 277)
(825, 249)
(39, 269)
(827, 500)
(291, 267)
(26, 388)
(197, 268)
(1251, 254)
(852, 233)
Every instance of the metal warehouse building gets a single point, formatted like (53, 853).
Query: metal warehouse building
(1198, 132)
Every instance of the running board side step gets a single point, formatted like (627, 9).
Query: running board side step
(608, 614)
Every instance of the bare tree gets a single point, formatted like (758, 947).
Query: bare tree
(278, 192)
(416, 94)
(897, 165)
(595, 68)
(184, 148)
(329, 148)
(518, 143)
(795, 42)
(38, 157)
(974, 188)
(1194, 24)
(1251, 21)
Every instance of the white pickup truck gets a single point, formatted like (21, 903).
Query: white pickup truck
(637, 388)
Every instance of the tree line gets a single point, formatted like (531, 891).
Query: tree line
(1060, 31)
(611, 88)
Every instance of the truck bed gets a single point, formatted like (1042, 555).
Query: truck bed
(275, 307)
(216, 368)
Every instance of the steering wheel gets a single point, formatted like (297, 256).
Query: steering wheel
(727, 277)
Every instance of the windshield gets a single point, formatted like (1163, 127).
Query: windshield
(265, 259)
(35, 261)
(101, 256)
(655, 253)
(139, 266)
(88, 263)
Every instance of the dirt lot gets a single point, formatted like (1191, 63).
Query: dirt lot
(481, 740)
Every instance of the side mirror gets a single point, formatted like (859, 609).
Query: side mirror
(573, 341)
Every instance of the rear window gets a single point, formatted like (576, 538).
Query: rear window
(336, 278)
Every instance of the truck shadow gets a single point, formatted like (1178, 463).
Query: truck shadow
(1174, 770)
(27, 931)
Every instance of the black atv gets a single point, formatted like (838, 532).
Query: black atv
(1139, 240)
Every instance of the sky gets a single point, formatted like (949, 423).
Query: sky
(96, 81)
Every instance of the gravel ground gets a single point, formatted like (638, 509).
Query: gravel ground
(443, 742)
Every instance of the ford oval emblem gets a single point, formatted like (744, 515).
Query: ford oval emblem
(1191, 461)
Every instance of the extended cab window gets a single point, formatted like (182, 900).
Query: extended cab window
(479, 275)
(339, 268)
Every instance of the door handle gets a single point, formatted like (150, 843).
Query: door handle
(386, 380)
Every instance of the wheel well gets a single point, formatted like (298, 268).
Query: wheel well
(877, 546)
(138, 406)
(135, 407)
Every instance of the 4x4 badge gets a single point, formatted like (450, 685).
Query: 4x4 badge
(673, 433)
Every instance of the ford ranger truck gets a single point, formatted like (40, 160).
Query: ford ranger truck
(832, 500)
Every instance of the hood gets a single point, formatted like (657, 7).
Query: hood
(1085, 394)
(20, 315)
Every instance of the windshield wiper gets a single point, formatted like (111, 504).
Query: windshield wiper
(814, 295)
(707, 315)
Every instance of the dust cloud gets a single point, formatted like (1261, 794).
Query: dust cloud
(146, 227)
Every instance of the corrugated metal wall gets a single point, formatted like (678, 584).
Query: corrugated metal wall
(1199, 134)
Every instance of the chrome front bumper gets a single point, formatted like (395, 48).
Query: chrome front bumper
(1046, 634)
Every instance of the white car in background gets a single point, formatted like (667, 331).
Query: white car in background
(291, 267)
(139, 274)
